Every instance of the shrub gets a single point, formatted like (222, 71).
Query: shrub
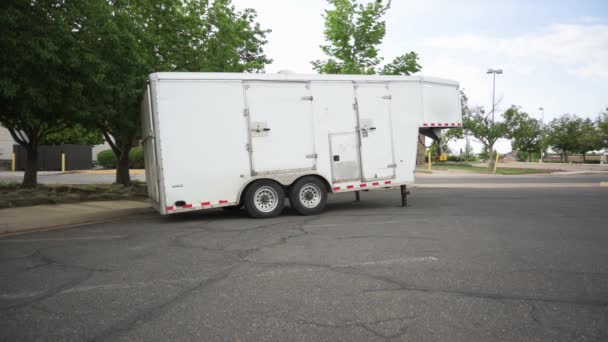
(108, 160)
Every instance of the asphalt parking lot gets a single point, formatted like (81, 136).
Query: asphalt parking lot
(456, 265)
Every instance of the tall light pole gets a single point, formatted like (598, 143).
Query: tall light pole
(494, 72)
(542, 127)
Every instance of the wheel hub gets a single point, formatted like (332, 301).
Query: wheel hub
(310, 195)
(266, 199)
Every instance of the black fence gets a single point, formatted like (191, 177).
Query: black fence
(77, 157)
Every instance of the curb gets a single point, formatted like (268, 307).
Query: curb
(21, 223)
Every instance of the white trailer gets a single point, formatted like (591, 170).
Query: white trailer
(230, 140)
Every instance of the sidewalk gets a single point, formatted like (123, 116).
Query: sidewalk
(24, 219)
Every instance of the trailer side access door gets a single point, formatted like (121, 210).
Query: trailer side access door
(280, 127)
(375, 131)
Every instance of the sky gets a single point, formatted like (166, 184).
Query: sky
(554, 54)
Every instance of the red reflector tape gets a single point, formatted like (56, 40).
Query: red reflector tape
(375, 183)
(459, 124)
(438, 124)
(336, 188)
(432, 124)
(223, 201)
(362, 185)
(447, 124)
(187, 205)
(387, 182)
(170, 208)
(205, 203)
(425, 124)
(350, 187)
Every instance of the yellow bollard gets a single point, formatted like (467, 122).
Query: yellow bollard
(496, 162)
(63, 162)
(429, 160)
(14, 162)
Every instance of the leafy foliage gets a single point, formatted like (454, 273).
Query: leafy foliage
(42, 68)
(353, 32)
(525, 132)
(107, 158)
(602, 129)
(563, 134)
(76, 134)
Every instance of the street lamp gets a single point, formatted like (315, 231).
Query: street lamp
(542, 124)
(494, 72)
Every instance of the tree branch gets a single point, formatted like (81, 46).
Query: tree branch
(18, 137)
(110, 142)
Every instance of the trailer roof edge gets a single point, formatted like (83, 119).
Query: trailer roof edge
(293, 77)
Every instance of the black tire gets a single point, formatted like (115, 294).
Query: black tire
(308, 196)
(270, 199)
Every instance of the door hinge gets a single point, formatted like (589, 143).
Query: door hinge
(307, 98)
(387, 97)
(355, 106)
(314, 155)
(391, 166)
(246, 112)
(248, 147)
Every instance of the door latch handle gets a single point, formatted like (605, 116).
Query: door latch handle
(266, 129)
(372, 128)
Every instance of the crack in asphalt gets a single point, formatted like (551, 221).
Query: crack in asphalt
(366, 325)
(123, 326)
(496, 296)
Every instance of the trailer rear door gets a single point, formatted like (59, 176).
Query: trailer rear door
(375, 131)
(280, 127)
(149, 145)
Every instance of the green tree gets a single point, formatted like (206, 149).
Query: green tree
(588, 137)
(525, 132)
(602, 128)
(563, 135)
(77, 134)
(41, 72)
(478, 124)
(133, 39)
(353, 32)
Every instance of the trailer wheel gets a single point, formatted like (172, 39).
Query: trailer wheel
(308, 196)
(264, 199)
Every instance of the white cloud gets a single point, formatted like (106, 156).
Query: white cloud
(582, 49)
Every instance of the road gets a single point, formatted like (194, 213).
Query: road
(456, 265)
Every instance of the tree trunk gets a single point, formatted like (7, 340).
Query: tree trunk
(30, 177)
(584, 157)
(529, 156)
(565, 157)
(492, 157)
(122, 167)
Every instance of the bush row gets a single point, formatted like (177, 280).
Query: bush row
(107, 159)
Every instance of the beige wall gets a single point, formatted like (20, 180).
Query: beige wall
(6, 144)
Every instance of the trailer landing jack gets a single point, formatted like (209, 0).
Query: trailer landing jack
(404, 194)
